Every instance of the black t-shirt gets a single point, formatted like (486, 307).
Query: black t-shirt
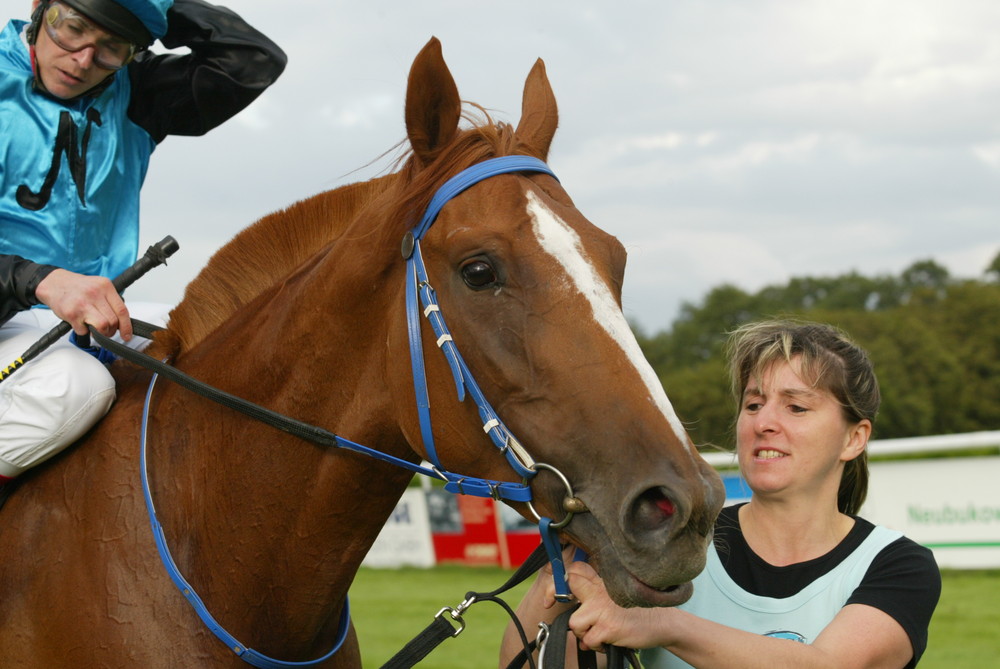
(903, 580)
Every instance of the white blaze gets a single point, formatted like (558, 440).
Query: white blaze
(562, 243)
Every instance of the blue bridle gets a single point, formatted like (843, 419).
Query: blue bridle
(417, 284)
(418, 292)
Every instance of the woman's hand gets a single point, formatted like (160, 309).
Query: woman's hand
(599, 621)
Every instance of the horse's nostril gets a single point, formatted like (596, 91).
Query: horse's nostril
(652, 510)
(666, 507)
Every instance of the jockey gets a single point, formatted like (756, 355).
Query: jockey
(83, 104)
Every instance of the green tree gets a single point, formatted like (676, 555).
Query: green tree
(925, 274)
(969, 323)
(935, 342)
(993, 269)
(924, 282)
(700, 396)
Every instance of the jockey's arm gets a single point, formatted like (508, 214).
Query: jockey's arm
(18, 280)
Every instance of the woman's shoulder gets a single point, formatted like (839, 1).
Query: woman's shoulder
(728, 519)
(903, 558)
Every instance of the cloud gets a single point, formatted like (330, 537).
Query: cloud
(989, 154)
(365, 113)
(745, 142)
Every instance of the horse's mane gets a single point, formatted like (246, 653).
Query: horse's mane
(256, 257)
(276, 245)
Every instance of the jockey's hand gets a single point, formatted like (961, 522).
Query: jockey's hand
(83, 300)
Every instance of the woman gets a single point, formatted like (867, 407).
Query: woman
(795, 563)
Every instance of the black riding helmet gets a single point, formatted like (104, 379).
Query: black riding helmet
(140, 22)
(114, 18)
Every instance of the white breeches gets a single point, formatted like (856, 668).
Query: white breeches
(52, 400)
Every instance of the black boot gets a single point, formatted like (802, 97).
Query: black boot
(6, 489)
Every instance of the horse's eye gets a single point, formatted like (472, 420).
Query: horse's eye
(478, 274)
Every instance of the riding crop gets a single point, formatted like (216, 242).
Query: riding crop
(155, 255)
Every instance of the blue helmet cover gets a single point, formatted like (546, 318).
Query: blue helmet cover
(152, 13)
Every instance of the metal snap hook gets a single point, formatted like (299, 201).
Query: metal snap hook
(454, 615)
(540, 641)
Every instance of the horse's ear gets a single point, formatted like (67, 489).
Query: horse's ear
(539, 115)
(433, 107)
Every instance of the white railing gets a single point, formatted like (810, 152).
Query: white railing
(903, 446)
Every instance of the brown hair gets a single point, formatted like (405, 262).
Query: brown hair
(829, 361)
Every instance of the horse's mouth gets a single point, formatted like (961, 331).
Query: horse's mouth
(671, 595)
(657, 587)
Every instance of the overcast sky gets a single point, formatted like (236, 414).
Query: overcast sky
(741, 141)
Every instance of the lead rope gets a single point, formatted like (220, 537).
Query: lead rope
(551, 641)
(440, 629)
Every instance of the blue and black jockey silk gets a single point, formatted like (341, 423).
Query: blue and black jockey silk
(71, 172)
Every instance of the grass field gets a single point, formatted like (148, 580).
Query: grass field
(390, 607)
(965, 630)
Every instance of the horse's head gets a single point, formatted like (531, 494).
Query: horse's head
(531, 291)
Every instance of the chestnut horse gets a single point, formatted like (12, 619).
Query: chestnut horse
(305, 313)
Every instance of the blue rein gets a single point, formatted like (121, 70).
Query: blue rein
(248, 655)
(418, 291)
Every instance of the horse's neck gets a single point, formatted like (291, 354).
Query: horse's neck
(271, 529)
(249, 505)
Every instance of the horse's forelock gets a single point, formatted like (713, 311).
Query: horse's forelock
(485, 139)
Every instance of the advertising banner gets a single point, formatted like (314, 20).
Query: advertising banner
(950, 505)
(405, 540)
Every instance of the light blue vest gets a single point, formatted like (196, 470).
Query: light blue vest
(70, 173)
(800, 617)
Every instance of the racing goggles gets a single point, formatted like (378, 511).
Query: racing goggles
(72, 31)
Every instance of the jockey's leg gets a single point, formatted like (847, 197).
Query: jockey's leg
(50, 402)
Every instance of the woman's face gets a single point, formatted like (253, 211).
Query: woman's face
(793, 438)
